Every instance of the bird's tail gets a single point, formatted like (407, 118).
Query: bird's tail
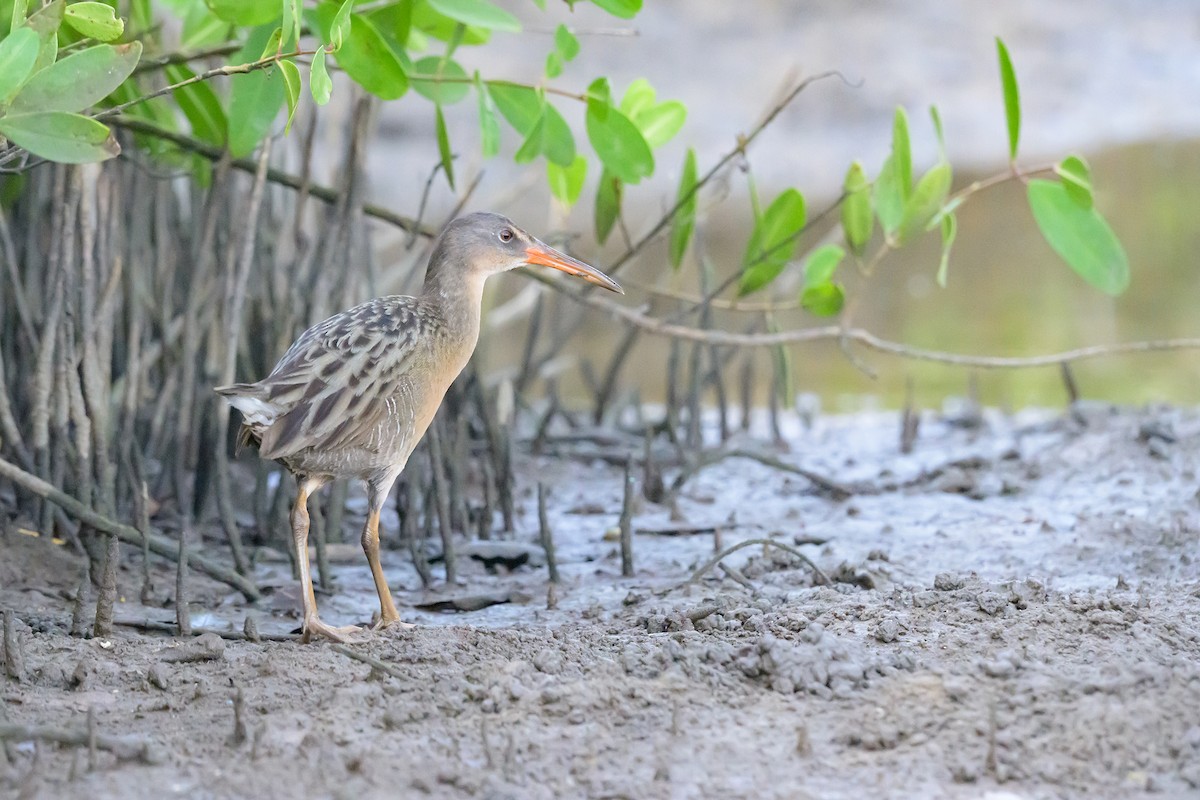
(258, 413)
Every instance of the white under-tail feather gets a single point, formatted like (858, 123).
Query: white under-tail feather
(257, 413)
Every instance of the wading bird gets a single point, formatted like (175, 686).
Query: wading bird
(353, 396)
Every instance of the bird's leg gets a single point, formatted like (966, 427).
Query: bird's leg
(312, 623)
(388, 615)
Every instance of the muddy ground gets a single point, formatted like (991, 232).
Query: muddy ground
(1013, 614)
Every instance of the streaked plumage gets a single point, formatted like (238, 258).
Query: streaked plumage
(353, 396)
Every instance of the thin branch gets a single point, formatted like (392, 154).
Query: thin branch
(123, 747)
(228, 69)
(838, 491)
(147, 64)
(743, 142)
(158, 544)
(215, 154)
(659, 327)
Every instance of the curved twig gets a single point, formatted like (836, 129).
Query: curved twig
(719, 557)
(838, 491)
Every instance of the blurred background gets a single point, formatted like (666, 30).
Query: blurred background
(1112, 80)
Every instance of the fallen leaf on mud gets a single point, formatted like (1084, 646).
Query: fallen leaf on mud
(474, 602)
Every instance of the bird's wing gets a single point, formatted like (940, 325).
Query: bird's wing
(336, 384)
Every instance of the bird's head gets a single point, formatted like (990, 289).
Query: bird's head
(485, 244)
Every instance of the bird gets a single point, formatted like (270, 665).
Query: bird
(354, 394)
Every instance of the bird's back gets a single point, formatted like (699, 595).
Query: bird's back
(353, 394)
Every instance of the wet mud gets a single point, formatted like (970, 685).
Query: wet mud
(1011, 612)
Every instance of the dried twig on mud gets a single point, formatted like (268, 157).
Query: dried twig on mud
(712, 562)
(171, 627)
(158, 544)
(125, 748)
(838, 491)
(371, 661)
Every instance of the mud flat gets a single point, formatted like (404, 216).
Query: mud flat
(1012, 613)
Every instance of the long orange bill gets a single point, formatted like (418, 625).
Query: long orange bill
(545, 256)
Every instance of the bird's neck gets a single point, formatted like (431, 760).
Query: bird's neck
(459, 301)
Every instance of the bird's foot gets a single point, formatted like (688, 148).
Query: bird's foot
(314, 626)
(391, 622)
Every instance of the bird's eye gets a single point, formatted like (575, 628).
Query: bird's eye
(506, 235)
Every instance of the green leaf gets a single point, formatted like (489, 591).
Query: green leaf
(45, 22)
(80, 80)
(520, 105)
(617, 141)
(566, 183)
(426, 20)
(254, 101)
(638, 97)
(479, 13)
(889, 202)
(565, 43)
(200, 104)
(534, 143)
(489, 128)
(245, 12)
(773, 241)
(937, 129)
(1012, 98)
(18, 52)
(949, 233)
(821, 296)
(902, 153)
(254, 97)
(927, 199)
(524, 108)
(600, 91)
(274, 45)
(318, 79)
(339, 25)
(291, 82)
(856, 208)
(394, 22)
(60, 136)
(443, 141)
(365, 55)
(684, 222)
(822, 263)
(660, 122)
(95, 20)
(1080, 236)
(1077, 178)
(824, 299)
(19, 7)
(290, 23)
(608, 204)
(625, 9)
(554, 65)
(559, 143)
(451, 84)
(141, 15)
(202, 28)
